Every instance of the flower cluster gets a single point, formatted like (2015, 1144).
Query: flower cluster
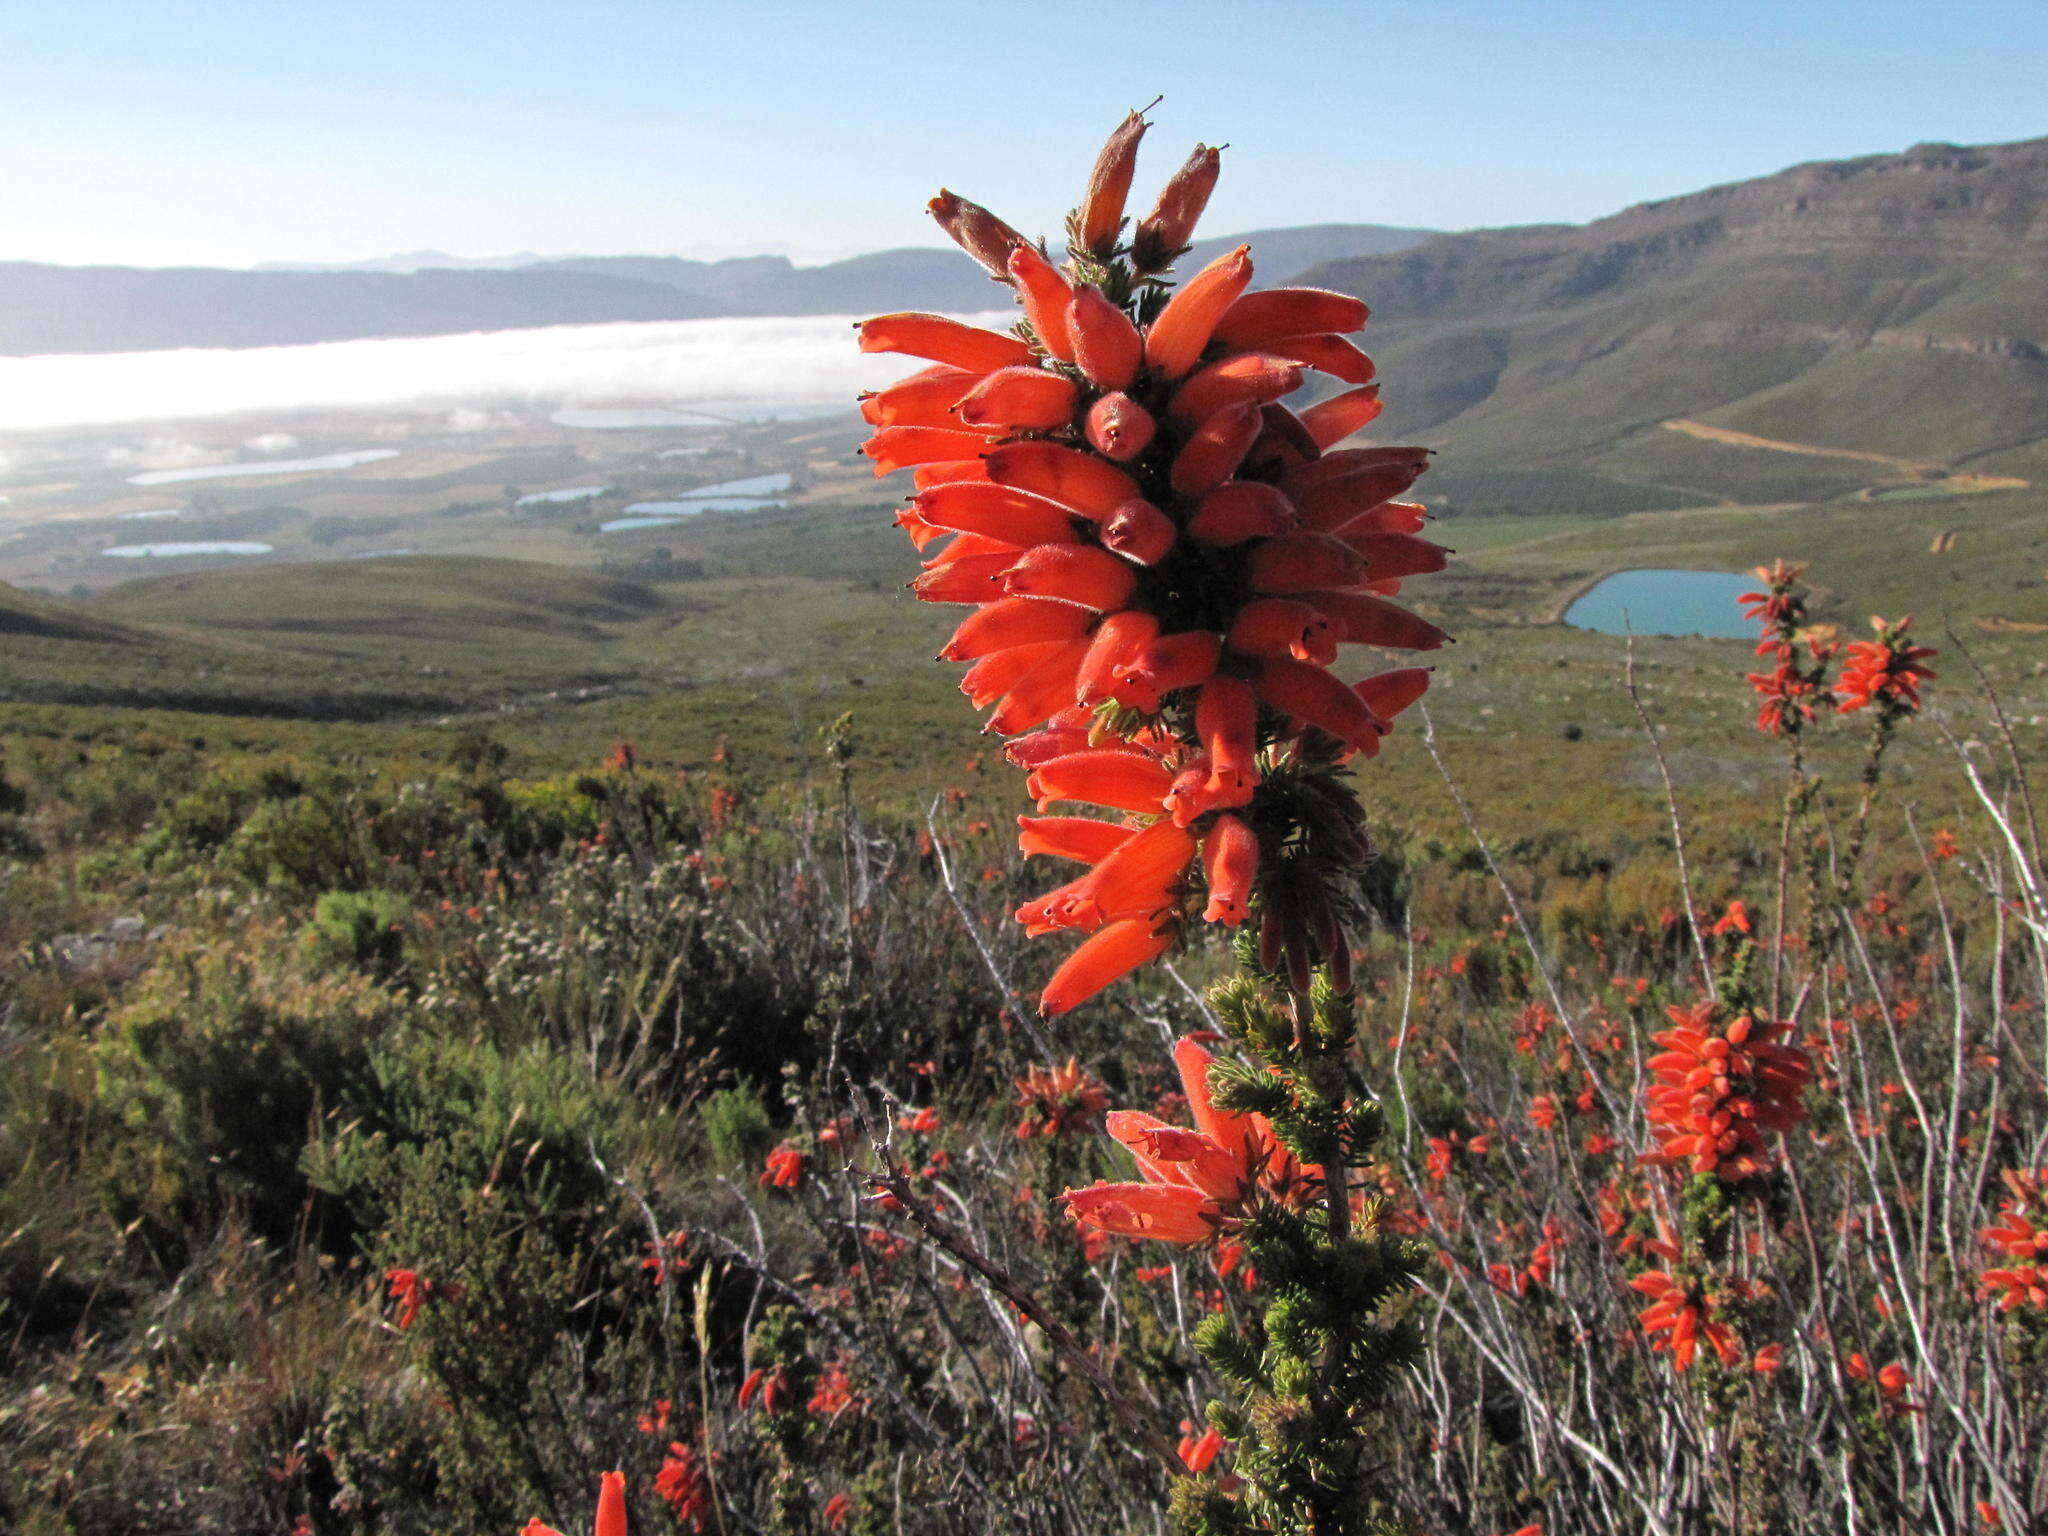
(1720, 1089)
(413, 1290)
(2023, 1282)
(1885, 672)
(1682, 1315)
(1057, 1100)
(1799, 651)
(1192, 1182)
(1162, 560)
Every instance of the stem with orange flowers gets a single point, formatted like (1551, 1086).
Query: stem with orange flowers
(1161, 560)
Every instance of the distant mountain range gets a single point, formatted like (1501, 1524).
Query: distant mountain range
(127, 309)
(1890, 311)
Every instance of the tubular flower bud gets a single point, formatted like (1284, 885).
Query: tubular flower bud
(1119, 428)
(1045, 295)
(1040, 693)
(1120, 638)
(997, 512)
(1363, 619)
(611, 1505)
(1249, 376)
(1000, 671)
(894, 448)
(1109, 956)
(925, 399)
(1090, 486)
(1107, 346)
(1169, 663)
(1238, 510)
(943, 341)
(1185, 326)
(1306, 562)
(1141, 532)
(1014, 621)
(1020, 397)
(976, 231)
(1159, 560)
(1101, 216)
(1313, 696)
(1339, 358)
(1226, 720)
(1230, 862)
(1073, 573)
(1164, 232)
(1271, 313)
(1284, 626)
(1081, 838)
(1386, 694)
(1334, 419)
(1215, 449)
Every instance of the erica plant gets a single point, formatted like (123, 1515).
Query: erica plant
(1161, 559)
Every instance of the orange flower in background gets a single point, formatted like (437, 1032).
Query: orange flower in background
(611, 1510)
(1720, 1089)
(1192, 1181)
(784, 1168)
(412, 1290)
(2024, 1282)
(1680, 1319)
(1158, 553)
(1885, 672)
(1056, 1100)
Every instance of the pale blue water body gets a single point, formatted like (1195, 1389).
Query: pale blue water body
(193, 547)
(1666, 603)
(267, 467)
(650, 514)
(151, 515)
(567, 493)
(625, 420)
(754, 485)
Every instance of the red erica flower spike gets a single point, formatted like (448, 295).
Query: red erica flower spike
(1719, 1091)
(1057, 1100)
(1151, 485)
(1885, 672)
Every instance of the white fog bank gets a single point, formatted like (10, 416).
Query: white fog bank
(805, 360)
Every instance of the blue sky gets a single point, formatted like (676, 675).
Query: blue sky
(231, 132)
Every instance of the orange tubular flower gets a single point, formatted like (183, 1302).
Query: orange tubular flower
(1680, 1318)
(1720, 1090)
(1161, 560)
(1192, 1182)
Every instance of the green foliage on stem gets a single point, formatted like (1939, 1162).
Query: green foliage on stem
(1311, 1373)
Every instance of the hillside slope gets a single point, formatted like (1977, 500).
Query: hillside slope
(1891, 305)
